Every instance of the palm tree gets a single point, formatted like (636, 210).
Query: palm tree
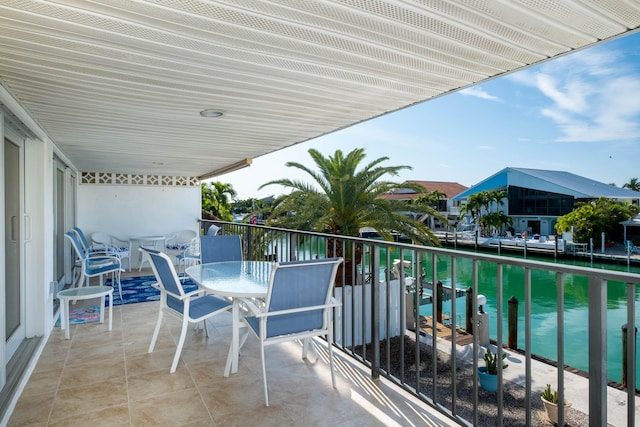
(345, 199)
(482, 202)
(216, 199)
(633, 184)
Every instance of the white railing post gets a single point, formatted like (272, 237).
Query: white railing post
(597, 351)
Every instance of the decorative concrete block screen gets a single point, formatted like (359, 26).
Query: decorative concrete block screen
(110, 178)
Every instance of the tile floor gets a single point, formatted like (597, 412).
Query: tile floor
(103, 378)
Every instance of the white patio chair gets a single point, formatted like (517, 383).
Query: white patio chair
(190, 256)
(189, 307)
(95, 265)
(179, 242)
(213, 230)
(299, 306)
(113, 245)
(87, 247)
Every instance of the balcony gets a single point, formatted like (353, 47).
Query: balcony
(100, 377)
(383, 343)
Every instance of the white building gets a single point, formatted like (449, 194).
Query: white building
(536, 198)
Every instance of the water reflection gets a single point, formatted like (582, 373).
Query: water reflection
(544, 307)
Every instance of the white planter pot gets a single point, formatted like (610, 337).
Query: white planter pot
(551, 410)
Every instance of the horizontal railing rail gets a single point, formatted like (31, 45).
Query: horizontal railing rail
(380, 286)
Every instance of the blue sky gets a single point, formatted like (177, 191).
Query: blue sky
(579, 113)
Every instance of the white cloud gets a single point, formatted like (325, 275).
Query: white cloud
(590, 96)
(478, 93)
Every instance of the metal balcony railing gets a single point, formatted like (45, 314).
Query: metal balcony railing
(381, 282)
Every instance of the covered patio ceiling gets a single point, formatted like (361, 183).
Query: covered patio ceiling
(118, 85)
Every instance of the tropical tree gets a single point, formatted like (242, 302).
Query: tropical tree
(216, 199)
(495, 221)
(429, 202)
(431, 199)
(480, 204)
(346, 198)
(591, 219)
(633, 184)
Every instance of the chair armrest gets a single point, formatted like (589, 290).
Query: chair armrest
(186, 296)
(254, 309)
(296, 310)
(99, 261)
(98, 250)
(121, 243)
(103, 257)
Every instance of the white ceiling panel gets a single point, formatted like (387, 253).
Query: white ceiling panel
(118, 84)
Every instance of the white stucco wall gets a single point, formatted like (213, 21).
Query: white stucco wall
(126, 211)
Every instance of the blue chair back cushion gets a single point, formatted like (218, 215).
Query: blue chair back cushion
(166, 277)
(76, 244)
(83, 238)
(220, 248)
(294, 287)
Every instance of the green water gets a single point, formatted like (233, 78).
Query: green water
(544, 308)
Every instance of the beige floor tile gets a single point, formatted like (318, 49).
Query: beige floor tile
(236, 391)
(32, 410)
(92, 371)
(107, 417)
(43, 380)
(159, 360)
(174, 409)
(76, 401)
(258, 415)
(156, 383)
(86, 352)
(207, 373)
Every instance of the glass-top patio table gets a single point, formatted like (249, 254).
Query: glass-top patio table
(236, 280)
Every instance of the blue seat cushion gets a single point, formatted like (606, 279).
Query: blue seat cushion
(206, 305)
(178, 246)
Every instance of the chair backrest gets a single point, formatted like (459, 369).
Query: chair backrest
(167, 278)
(77, 246)
(220, 248)
(100, 238)
(181, 239)
(213, 230)
(84, 242)
(300, 284)
(194, 247)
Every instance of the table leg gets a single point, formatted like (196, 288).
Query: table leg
(102, 308)
(64, 322)
(232, 357)
(110, 310)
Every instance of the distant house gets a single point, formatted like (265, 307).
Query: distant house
(538, 197)
(448, 207)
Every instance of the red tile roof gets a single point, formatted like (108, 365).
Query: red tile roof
(449, 188)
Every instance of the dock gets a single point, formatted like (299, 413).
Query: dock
(445, 331)
(616, 254)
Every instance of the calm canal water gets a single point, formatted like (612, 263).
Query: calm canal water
(544, 308)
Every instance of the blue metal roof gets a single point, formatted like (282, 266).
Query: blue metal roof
(559, 182)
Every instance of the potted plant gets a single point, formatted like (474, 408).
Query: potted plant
(488, 375)
(550, 401)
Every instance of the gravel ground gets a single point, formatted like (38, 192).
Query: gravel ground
(514, 413)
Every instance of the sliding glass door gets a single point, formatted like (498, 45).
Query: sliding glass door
(14, 301)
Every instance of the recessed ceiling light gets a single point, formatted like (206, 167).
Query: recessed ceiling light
(210, 113)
